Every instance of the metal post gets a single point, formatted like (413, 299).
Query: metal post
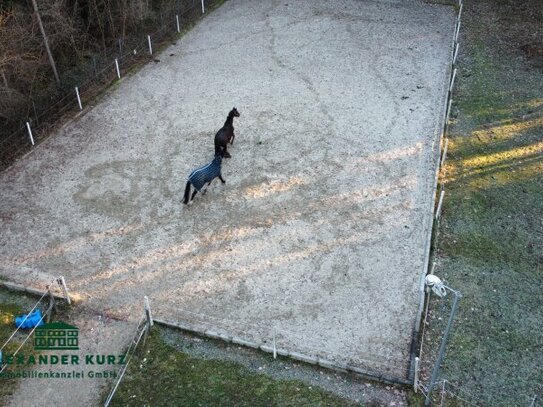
(455, 53)
(203, 8)
(150, 46)
(118, 70)
(452, 81)
(441, 354)
(62, 284)
(274, 344)
(457, 31)
(177, 21)
(442, 394)
(416, 379)
(78, 98)
(447, 114)
(148, 313)
(30, 132)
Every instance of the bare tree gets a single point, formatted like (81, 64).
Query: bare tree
(51, 60)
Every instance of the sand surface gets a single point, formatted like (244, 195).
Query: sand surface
(321, 229)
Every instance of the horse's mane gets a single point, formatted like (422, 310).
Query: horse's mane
(230, 117)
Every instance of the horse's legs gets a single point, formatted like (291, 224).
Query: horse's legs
(205, 189)
(222, 180)
(193, 194)
(226, 153)
(232, 139)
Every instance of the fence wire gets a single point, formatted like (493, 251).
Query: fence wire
(140, 331)
(437, 310)
(275, 337)
(47, 293)
(449, 394)
(92, 77)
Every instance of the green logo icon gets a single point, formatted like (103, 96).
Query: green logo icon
(56, 336)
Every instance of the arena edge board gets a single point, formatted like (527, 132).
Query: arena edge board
(326, 364)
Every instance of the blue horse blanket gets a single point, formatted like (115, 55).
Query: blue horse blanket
(201, 176)
(33, 319)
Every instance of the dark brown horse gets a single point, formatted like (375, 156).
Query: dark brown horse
(226, 134)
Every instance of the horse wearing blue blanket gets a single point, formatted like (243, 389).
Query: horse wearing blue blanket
(204, 175)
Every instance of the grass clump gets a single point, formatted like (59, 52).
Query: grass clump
(160, 375)
(490, 244)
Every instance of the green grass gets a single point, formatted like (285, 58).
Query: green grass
(490, 244)
(159, 375)
(8, 311)
(12, 304)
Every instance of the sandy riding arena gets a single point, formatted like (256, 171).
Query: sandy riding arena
(321, 230)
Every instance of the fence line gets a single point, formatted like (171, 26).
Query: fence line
(274, 350)
(271, 330)
(60, 281)
(23, 321)
(446, 388)
(269, 343)
(418, 360)
(40, 121)
(136, 338)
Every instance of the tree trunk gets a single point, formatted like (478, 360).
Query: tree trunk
(51, 60)
(5, 81)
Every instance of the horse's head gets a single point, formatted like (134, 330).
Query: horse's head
(234, 112)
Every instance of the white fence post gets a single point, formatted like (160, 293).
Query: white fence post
(457, 31)
(78, 98)
(442, 393)
(416, 379)
(150, 46)
(274, 343)
(177, 21)
(30, 132)
(62, 284)
(203, 8)
(455, 55)
(452, 80)
(148, 315)
(118, 70)
(447, 116)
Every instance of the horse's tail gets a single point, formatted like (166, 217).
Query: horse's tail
(187, 193)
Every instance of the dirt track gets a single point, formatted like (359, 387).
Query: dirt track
(321, 229)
